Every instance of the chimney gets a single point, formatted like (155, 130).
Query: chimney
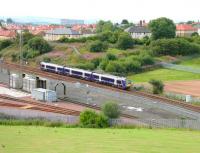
(140, 22)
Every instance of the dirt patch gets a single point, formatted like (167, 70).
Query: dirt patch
(90, 56)
(56, 54)
(184, 87)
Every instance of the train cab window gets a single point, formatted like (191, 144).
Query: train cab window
(42, 65)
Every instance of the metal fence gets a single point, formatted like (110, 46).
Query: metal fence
(180, 67)
(34, 114)
(160, 123)
(182, 97)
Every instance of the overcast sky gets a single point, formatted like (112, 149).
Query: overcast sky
(114, 10)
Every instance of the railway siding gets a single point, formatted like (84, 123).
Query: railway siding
(97, 94)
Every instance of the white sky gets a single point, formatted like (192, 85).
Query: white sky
(114, 10)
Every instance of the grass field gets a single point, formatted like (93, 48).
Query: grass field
(194, 62)
(20, 139)
(164, 75)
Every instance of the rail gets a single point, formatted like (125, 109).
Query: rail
(37, 71)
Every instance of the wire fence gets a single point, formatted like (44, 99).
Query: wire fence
(160, 123)
(34, 114)
(180, 67)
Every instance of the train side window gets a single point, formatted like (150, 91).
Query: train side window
(119, 82)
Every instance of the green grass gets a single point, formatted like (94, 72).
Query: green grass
(20, 139)
(164, 75)
(194, 62)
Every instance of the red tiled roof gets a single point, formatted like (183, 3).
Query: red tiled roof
(185, 27)
(7, 33)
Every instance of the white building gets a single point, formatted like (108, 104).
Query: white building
(138, 32)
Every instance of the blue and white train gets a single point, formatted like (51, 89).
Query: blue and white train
(119, 82)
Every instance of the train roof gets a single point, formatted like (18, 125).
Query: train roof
(85, 71)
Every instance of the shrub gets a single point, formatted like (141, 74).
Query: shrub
(38, 43)
(111, 110)
(98, 46)
(111, 56)
(132, 66)
(158, 86)
(116, 67)
(90, 118)
(104, 64)
(125, 41)
(176, 46)
(86, 66)
(5, 44)
(102, 121)
(146, 59)
(96, 62)
(14, 57)
(46, 59)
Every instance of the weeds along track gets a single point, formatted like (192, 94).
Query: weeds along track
(37, 71)
(11, 102)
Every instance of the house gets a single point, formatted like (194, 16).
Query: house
(185, 30)
(138, 32)
(56, 34)
(7, 34)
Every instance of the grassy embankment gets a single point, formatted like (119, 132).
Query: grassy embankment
(31, 139)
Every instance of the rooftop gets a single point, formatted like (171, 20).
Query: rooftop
(138, 29)
(185, 27)
(63, 31)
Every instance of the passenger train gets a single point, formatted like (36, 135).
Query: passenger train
(119, 82)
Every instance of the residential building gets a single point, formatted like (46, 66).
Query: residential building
(139, 32)
(56, 34)
(7, 34)
(185, 30)
(71, 22)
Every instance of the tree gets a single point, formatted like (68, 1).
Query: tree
(98, 46)
(90, 118)
(124, 21)
(5, 43)
(104, 26)
(195, 34)
(38, 43)
(9, 21)
(158, 86)
(26, 37)
(162, 28)
(125, 41)
(111, 110)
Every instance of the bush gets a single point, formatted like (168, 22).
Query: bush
(91, 119)
(86, 66)
(98, 46)
(72, 40)
(111, 110)
(104, 64)
(28, 54)
(47, 59)
(176, 46)
(116, 67)
(38, 43)
(5, 44)
(111, 56)
(14, 57)
(158, 86)
(125, 41)
(96, 62)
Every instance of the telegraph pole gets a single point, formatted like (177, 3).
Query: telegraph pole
(21, 55)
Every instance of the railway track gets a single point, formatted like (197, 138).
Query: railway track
(37, 71)
(7, 101)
